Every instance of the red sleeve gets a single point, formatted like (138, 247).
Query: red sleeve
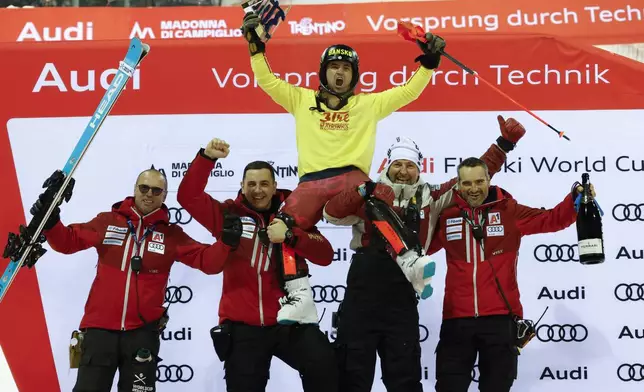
(346, 203)
(494, 158)
(209, 259)
(537, 220)
(313, 246)
(436, 244)
(75, 237)
(193, 197)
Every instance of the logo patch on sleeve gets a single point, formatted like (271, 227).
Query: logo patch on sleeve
(117, 229)
(111, 234)
(112, 242)
(454, 229)
(454, 221)
(454, 236)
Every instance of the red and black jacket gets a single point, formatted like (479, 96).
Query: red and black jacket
(251, 287)
(114, 300)
(470, 289)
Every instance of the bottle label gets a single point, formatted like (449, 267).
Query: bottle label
(590, 246)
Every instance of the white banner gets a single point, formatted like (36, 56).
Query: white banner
(591, 337)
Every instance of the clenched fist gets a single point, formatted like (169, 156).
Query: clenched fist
(277, 231)
(216, 149)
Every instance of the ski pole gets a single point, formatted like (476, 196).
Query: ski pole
(413, 33)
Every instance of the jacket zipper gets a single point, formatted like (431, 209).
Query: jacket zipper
(259, 274)
(129, 271)
(475, 261)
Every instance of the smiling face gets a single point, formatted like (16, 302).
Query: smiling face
(150, 191)
(403, 171)
(473, 184)
(259, 187)
(339, 75)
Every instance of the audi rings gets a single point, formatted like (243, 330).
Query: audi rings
(563, 253)
(628, 212)
(475, 373)
(631, 372)
(562, 333)
(629, 292)
(174, 373)
(423, 333)
(328, 294)
(178, 294)
(179, 216)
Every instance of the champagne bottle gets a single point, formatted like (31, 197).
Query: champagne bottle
(589, 227)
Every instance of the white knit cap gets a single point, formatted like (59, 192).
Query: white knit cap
(404, 148)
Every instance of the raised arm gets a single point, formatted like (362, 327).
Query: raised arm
(192, 191)
(388, 101)
(537, 220)
(283, 93)
(78, 236)
(511, 132)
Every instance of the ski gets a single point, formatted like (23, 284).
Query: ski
(25, 248)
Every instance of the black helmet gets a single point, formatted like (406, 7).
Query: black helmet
(343, 53)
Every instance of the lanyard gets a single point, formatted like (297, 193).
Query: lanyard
(477, 230)
(145, 234)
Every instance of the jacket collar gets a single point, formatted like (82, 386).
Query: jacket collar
(276, 203)
(495, 196)
(403, 192)
(128, 209)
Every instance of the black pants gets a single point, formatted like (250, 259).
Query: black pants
(492, 338)
(106, 351)
(379, 314)
(302, 347)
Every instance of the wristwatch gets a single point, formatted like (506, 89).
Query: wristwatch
(289, 238)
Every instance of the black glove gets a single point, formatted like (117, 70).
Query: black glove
(41, 206)
(232, 230)
(255, 44)
(366, 189)
(432, 50)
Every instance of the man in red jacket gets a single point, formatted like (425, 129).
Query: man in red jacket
(124, 313)
(379, 312)
(249, 335)
(481, 235)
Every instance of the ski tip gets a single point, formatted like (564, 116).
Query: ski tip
(146, 48)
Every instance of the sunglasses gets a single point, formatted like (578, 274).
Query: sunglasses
(144, 189)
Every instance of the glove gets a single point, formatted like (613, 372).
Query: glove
(377, 190)
(232, 230)
(511, 132)
(41, 206)
(255, 44)
(432, 50)
(366, 190)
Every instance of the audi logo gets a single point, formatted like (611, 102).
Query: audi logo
(631, 372)
(179, 216)
(178, 294)
(562, 333)
(328, 294)
(628, 212)
(629, 292)
(475, 373)
(563, 253)
(423, 333)
(174, 373)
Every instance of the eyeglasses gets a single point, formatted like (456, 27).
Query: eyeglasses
(144, 189)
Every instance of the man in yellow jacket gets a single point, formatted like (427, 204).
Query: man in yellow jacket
(336, 138)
